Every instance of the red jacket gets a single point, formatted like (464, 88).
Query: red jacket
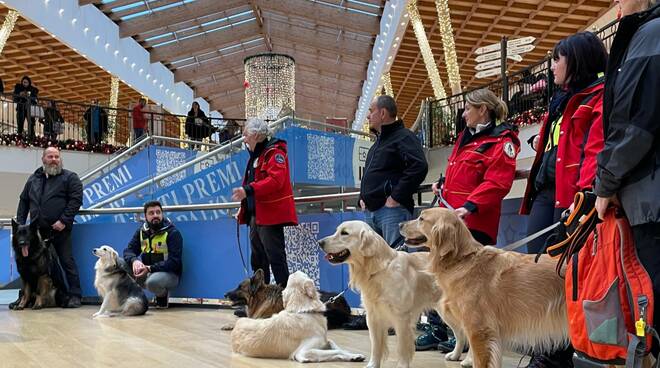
(271, 188)
(580, 141)
(480, 174)
(139, 121)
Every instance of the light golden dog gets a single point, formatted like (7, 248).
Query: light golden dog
(394, 286)
(299, 332)
(497, 299)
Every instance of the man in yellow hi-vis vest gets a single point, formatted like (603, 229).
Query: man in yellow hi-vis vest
(153, 255)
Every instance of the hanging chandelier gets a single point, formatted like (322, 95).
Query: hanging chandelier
(270, 90)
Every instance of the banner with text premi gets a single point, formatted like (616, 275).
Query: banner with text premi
(317, 158)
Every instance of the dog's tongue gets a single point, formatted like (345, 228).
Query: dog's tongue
(25, 250)
(327, 256)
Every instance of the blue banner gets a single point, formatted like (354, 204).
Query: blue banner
(315, 157)
(212, 262)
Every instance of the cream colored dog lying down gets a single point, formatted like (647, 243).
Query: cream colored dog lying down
(394, 286)
(299, 332)
(496, 299)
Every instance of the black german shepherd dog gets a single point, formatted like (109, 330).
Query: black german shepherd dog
(36, 263)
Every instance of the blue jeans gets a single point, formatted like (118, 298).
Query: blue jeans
(385, 221)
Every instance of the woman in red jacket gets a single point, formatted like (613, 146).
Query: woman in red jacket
(266, 200)
(482, 165)
(567, 145)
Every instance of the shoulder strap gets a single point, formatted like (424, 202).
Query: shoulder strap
(484, 147)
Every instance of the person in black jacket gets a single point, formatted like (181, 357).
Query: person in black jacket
(198, 126)
(53, 121)
(153, 256)
(394, 168)
(52, 197)
(629, 164)
(96, 123)
(25, 95)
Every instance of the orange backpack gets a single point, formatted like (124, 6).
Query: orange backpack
(609, 296)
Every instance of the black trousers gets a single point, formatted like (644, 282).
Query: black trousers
(267, 245)
(61, 241)
(542, 215)
(647, 243)
(21, 115)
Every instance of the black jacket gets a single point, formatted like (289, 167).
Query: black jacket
(103, 123)
(22, 100)
(630, 161)
(395, 166)
(173, 263)
(195, 131)
(50, 199)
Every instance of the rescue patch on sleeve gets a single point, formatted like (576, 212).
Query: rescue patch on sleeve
(509, 149)
(279, 158)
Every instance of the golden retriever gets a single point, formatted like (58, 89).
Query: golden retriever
(299, 332)
(394, 286)
(497, 299)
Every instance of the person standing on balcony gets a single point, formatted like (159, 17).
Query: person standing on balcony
(139, 119)
(197, 126)
(25, 96)
(394, 169)
(266, 197)
(566, 147)
(97, 123)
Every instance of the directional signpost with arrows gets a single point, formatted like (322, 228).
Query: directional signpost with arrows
(491, 59)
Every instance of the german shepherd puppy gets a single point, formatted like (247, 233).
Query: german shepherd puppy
(262, 301)
(34, 262)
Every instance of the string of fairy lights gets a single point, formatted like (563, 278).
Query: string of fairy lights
(7, 27)
(449, 48)
(425, 49)
(269, 85)
(112, 114)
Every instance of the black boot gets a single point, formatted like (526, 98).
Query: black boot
(557, 359)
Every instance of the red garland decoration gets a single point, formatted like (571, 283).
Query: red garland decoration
(43, 142)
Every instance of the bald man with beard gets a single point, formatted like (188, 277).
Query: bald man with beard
(52, 197)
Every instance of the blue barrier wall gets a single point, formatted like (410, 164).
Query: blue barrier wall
(7, 267)
(212, 262)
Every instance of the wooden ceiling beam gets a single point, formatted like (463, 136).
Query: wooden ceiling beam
(260, 21)
(337, 65)
(323, 14)
(215, 66)
(204, 43)
(337, 43)
(176, 15)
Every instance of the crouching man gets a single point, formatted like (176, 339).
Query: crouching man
(153, 256)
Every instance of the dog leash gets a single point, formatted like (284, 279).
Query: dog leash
(240, 250)
(527, 239)
(334, 298)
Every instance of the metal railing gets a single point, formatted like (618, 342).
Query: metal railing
(155, 180)
(530, 90)
(146, 140)
(93, 127)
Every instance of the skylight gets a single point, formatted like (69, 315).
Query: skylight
(203, 33)
(154, 10)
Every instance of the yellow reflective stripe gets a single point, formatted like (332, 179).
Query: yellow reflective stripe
(556, 128)
(152, 247)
